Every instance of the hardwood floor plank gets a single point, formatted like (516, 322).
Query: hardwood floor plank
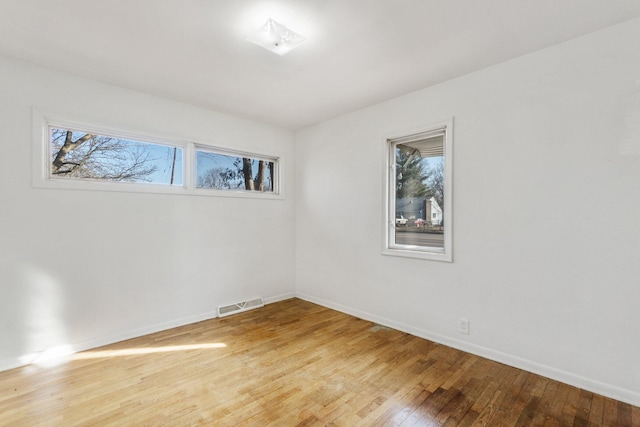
(456, 411)
(491, 382)
(635, 415)
(543, 411)
(487, 414)
(397, 409)
(503, 410)
(610, 413)
(584, 409)
(554, 417)
(292, 363)
(624, 415)
(570, 406)
(527, 401)
(597, 408)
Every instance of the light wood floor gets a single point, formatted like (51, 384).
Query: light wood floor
(292, 363)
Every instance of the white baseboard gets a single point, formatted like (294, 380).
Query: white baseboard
(624, 395)
(27, 359)
(277, 298)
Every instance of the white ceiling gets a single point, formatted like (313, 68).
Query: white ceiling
(358, 52)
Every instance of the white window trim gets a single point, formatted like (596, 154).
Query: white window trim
(436, 254)
(41, 159)
(217, 150)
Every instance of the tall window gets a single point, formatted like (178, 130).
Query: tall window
(419, 195)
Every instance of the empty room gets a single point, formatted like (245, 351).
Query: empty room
(298, 212)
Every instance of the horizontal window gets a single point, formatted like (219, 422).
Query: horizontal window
(69, 154)
(86, 155)
(235, 172)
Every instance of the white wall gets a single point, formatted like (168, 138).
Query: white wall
(84, 268)
(549, 280)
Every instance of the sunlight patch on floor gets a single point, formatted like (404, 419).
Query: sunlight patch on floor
(50, 357)
(144, 350)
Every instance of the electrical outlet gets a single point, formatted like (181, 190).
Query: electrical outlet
(463, 326)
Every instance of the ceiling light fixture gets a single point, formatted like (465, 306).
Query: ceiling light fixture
(276, 38)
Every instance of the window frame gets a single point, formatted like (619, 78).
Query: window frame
(118, 135)
(389, 206)
(41, 160)
(235, 153)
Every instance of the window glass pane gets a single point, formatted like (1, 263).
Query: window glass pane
(83, 155)
(419, 193)
(234, 172)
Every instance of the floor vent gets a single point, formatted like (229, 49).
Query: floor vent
(239, 307)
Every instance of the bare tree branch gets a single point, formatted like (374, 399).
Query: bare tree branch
(100, 157)
(68, 146)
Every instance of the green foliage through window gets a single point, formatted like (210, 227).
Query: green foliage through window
(418, 222)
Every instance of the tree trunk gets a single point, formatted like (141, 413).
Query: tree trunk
(69, 145)
(173, 165)
(260, 177)
(247, 172)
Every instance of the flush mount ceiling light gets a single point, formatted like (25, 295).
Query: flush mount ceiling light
(276, 37)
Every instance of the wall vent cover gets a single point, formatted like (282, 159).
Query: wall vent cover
(239, 307)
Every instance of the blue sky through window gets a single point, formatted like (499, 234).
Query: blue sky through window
(110, 158)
